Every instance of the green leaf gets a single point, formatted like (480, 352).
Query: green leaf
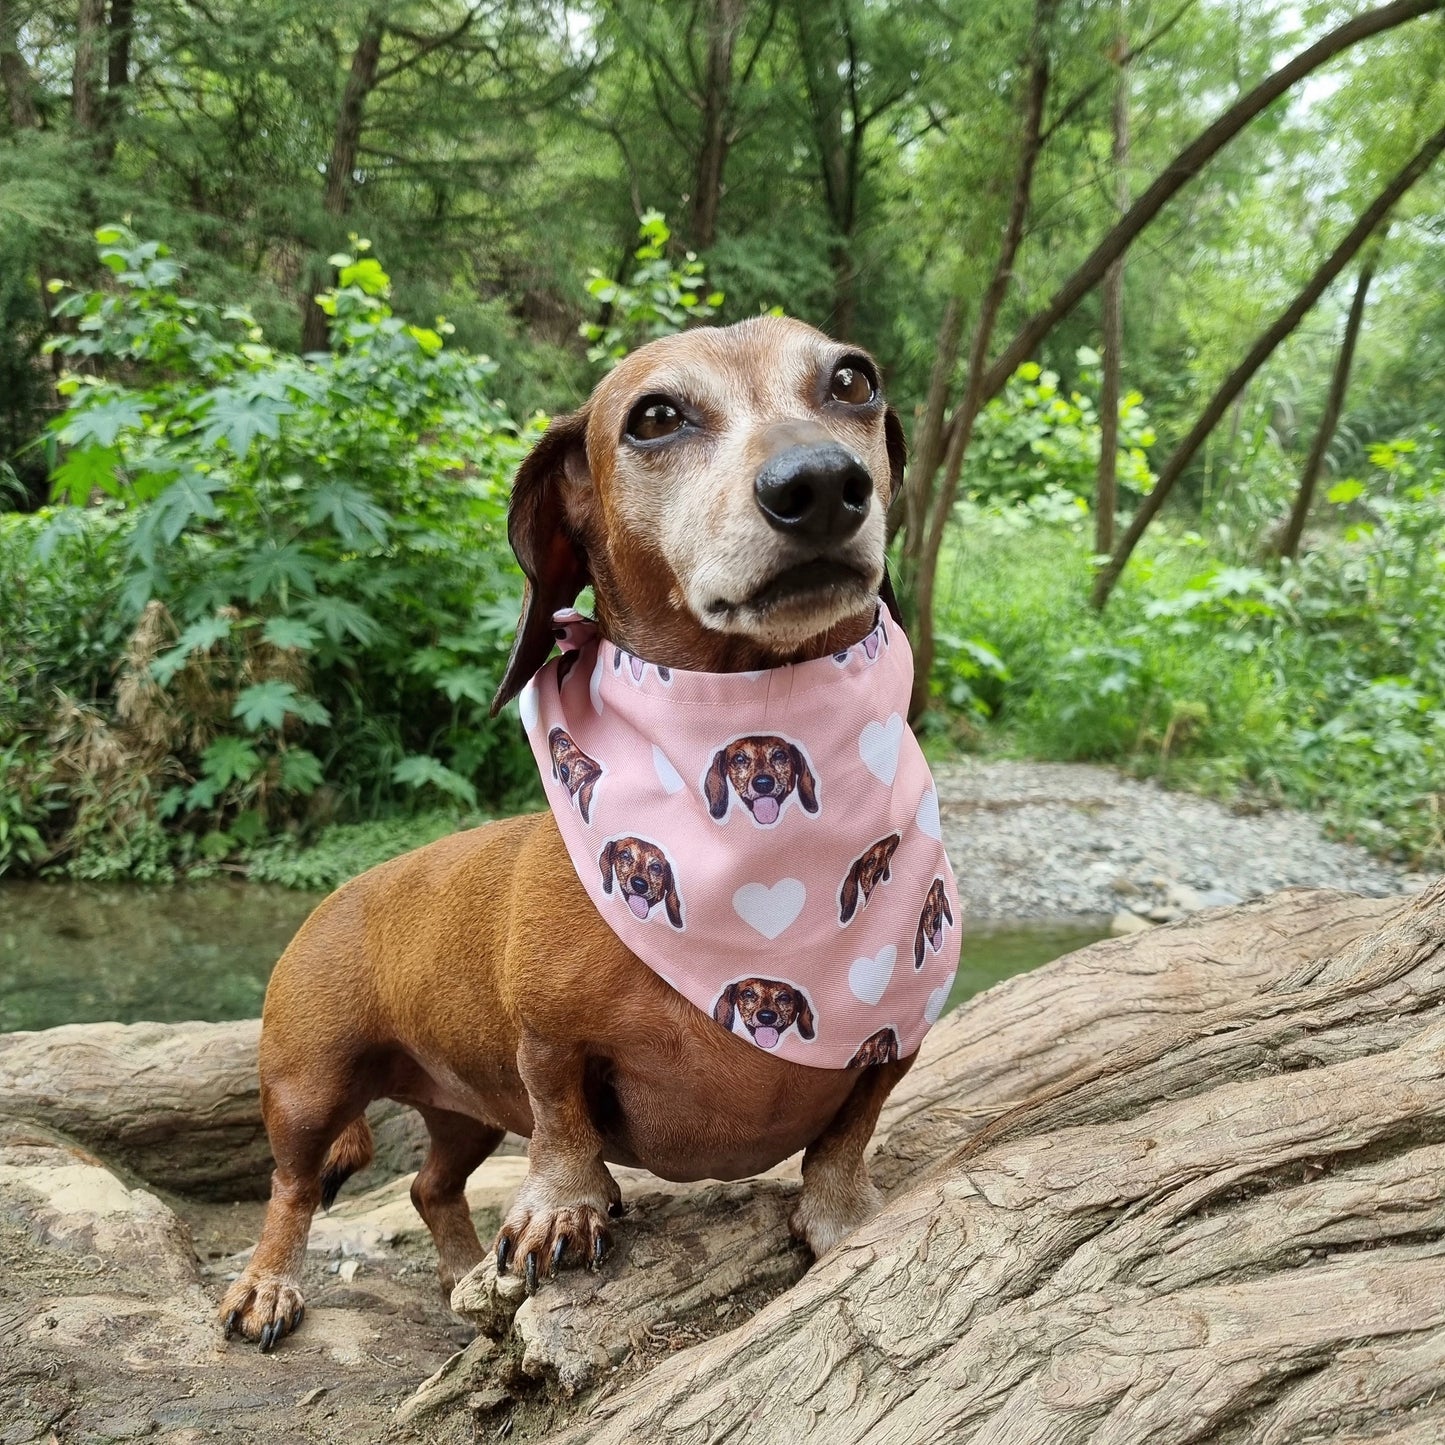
(201, 635)
(290, 632)
(468, 682)
(238, 417)
(266, 705)
(1343, 493)
(101, 422)
(274, 569)
(86, 470)
(229, 760)
(340, 618)
(185, 500)
(350, 511)
(420, 772)
(300, 771)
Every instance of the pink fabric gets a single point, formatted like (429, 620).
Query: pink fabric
(767, 842)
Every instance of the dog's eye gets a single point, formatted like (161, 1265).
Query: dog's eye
(749, 995)
(740, 760)
(653, 417)
(783, 999)
(779, 756)
(654, 868)
(852, 385)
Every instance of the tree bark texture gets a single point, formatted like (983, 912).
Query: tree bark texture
(1106, 491)
(1219, 1216)
(927, 452)
(86, 98)
(1294, 528)
(1262, 350)
(15, 77)
(341, 164)
(724, 23)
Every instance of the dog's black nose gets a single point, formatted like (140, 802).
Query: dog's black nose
(762, 783)
(820, 490)
(766, 1017)
(639, 885)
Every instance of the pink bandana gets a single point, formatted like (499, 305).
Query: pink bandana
(768, 843)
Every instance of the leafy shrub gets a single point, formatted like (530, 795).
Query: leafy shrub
(302, 595)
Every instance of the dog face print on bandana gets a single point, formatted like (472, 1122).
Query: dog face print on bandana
(768, 843)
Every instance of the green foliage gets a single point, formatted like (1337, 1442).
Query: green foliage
(1322, 684)
(300, 562)
(659, 298)
(1034, 438)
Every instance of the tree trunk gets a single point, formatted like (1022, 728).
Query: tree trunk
(1235, 382)
(341, 164)
(724, 24)
(117, 70)
(1324, 434)
(960, 431)
(927, 451)
(1106, 492)
(86, 100)
(1223, 1221)
(15, 75)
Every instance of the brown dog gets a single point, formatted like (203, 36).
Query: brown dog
(935, 914)
(724, 494)
(644, 877)
(764, 772)
(870, 868)
(769, 1007)
(879, 1048)
(573, 768)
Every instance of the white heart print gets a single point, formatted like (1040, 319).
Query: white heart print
(928, 819)
(938, 998)
(527, 705)
(667, 775)
(594, 687)
(878, 746)
(868, 977)
(770, 910)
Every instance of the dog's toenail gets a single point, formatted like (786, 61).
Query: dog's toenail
(615, 1209)
(599, 1249)
(558, 1250)
(531, 1268)
(232, 1320)
(504, 1253)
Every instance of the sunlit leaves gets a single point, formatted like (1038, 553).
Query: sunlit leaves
(268, 704)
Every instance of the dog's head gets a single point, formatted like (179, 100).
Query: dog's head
(936, 912)
(768, 1007)
(723, 491)
(879, 1048)
(569, 763)
(870, 868)
(643, 875)
(764, 771)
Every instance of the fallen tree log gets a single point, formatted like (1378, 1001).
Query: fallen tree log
(1226, 1224)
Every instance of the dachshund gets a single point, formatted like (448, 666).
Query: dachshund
(879, 1048)
(574, 769)
(644, 877)
(636, 667)
(769, 1007)
(724, 493)
(870, 868)
(936, 912)
(764, 771)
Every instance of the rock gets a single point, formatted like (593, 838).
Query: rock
(457, 1378)
(67, 1198)
(1125, 922)
(1164, 914)
(1219, 898)
(1182, 897)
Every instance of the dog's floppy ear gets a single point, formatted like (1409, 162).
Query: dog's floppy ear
(674, 903)
(725, 1009)
(551, 558)
(848, 898)
(807, 783)
(918, 946)
(609, 853)
(889, 598)
(584, 797)
(897, 446)
(715, 785)
(552, 749)
(804, 1017)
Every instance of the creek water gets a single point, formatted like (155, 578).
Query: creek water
(83, 952)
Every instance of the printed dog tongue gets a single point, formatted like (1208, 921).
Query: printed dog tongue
(765, 810)
(765, 1037)
(937, 940)
(638, 904)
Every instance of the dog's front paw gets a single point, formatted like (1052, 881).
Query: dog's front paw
(539, 1242)
(265, 1309)
(826, 1213)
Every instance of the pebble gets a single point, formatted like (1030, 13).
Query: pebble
(1055, 840)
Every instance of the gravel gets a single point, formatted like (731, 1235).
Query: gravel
(1052, 840)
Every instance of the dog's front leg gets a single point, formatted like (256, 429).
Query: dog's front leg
(559, 1216)
(838, 1195)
